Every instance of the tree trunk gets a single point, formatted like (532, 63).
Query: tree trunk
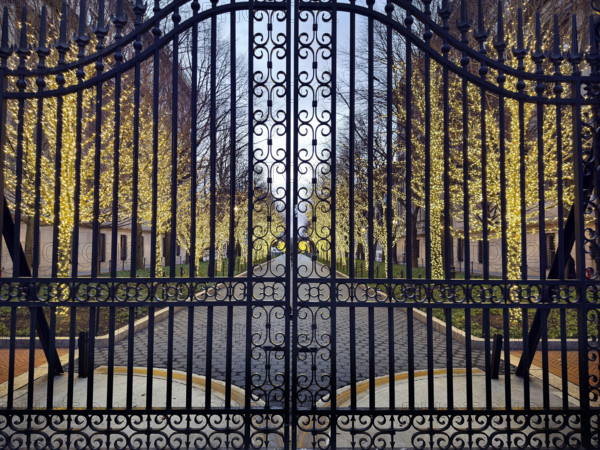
(414, 241)
(167, 248)
(29, 242)
(139, 258)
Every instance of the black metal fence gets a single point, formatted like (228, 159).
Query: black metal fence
(300, 224)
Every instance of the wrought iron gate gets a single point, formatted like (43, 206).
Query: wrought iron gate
(299, 224)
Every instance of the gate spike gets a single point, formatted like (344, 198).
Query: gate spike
(5, 48)
(156, 28)
(592, 56)
(481, 34)
(464, 24)
(520, 51)
(538, 55)
(574, 56)
(500, 44)
(42, 50)
(82, 12)
(139, 9)
(101, 30)
(556, 56)
(62, 46)
(120, 20)
(23, 50)
(445, 11)
(82, 39)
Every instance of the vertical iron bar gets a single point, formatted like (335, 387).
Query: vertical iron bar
(409, 160)
(11, 358)
(427, 36)
(51, 361)
(351, 137)
(249, 265)
(139, 10)
(370, 148)
(209, 351)
(101, 30)
(430, 367)
(23, 52)
(111, 357)
(526, 357)
(42, 52)
(171, 337)
(193, 145)
(507, 374)
(333, 285)
(411, 357)
(449, 359)
(154, 244)
(190, 358)
(90, 361)
(563, 359)
(371, 330)
(150, 358)
(174, 131)
(213, 143)
(130, 350)
(488, 364)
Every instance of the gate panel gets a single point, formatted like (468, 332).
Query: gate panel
(310, 224)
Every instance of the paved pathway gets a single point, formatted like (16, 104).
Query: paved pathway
(268, 336)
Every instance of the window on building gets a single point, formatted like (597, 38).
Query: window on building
(461, 249)
(102, 247)
(550, 249)
(123, 247)
(480, 252)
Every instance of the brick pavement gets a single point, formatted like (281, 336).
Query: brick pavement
(22, 360)
(555, 364)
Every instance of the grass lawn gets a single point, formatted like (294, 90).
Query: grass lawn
(458, 313)
(121, 313)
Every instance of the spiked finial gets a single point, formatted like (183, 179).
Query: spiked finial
(101, 30)
(42, 50)
(23, 50)
(120, 20)
(519, 51)
(556, 55)
(481, 34)
(445, 11)
(574, 56)
(593, 57)
(463, 24)
(82, 38)
(82, 13)
(5, 48)
(139, 9)
(538, 55)
(62, 46)
(156, 28)
(500, 44)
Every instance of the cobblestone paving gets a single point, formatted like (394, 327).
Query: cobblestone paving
(268, 337)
